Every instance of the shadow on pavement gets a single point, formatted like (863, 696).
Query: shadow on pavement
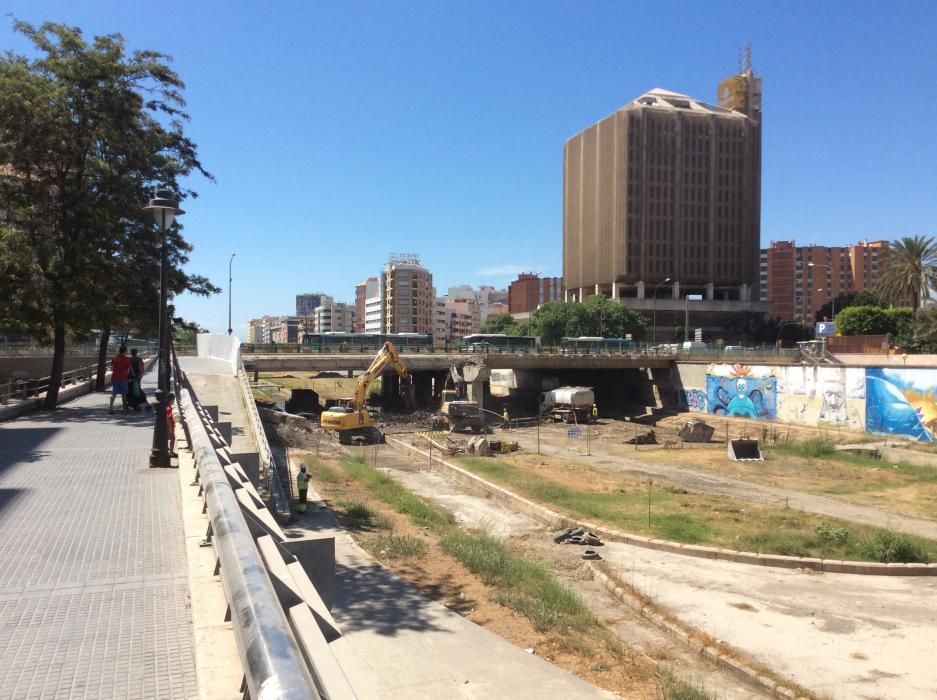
(369, 597)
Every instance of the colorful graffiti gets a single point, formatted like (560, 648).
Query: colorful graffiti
(742, 390)
(902, 402)
(694, 399)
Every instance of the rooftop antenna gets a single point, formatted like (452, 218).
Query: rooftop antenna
(747, 67)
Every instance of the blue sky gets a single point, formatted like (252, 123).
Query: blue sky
(340, 132)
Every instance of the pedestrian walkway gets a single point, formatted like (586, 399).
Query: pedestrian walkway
(93, 581)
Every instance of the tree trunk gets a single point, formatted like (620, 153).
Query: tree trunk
(102, 360)
(58, 365)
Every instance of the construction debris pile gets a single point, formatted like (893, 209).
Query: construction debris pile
(578, 536)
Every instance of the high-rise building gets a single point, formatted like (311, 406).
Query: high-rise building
(337, 317)
(663, 198)
(797, 289)
(306, 303)
(407, 296)
(529, 291)
(368, 289)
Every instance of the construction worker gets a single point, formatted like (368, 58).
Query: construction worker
(595, 413)
(302, 485)
(507, 418)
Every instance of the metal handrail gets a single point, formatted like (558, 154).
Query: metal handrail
(281, 497)
(274, 666)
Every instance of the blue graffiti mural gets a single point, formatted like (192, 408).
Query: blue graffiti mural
(898, 402)
(747, 397)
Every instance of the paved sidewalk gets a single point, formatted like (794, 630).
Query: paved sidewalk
(93, 582)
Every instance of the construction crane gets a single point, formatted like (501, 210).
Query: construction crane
(349, 418)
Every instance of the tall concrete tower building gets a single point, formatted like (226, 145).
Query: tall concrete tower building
(664, 196)
(407, 296)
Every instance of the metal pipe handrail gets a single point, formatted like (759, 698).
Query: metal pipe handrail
(274, 666)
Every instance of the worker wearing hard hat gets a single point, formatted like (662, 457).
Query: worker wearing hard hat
(302, 485)
(595, 413)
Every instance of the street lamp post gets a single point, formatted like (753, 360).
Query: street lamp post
(230, 262)
(832, 288)
(165, 209)
(655, 308)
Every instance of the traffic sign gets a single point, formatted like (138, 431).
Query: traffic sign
(825, 328)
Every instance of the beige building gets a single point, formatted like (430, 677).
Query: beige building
(336, 317)
(407, 296)
(666, 191)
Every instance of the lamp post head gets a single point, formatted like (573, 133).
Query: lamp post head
(165, 208)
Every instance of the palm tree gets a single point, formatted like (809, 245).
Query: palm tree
(911, 271)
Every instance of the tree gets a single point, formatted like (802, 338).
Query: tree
(82, 147)
(925, 328)
(844, 301)
(863, 320)
(597, 316)
(500, 323)
(911, 271)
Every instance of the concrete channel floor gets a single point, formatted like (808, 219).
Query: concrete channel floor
(839, 635)
(395, 642)
(94, 597)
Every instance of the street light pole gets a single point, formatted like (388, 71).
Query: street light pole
(655, 308)
(165, 208)
(230, 262)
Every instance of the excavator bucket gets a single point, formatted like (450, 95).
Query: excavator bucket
(745, 450)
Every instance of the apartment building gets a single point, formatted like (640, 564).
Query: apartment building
(484, 296)
(529, 291)
(407, 296)
(337, 317)
(306, 304)
(798, 280)
(368, 289)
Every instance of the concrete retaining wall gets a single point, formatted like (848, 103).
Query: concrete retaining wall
(221, 347)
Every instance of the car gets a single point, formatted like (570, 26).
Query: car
(693, 346)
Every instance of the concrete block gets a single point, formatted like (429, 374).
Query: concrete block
(703, 552)
(784, 562)
(250, 463)
(316, 554)
(746, 558)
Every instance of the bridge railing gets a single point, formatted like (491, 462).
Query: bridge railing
(280, 494)
(281, 623)
(22, 389)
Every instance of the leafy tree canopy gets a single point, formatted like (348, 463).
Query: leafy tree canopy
(844, 301)
(596, 316)
(87, 133)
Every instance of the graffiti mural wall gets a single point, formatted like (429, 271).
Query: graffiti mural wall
(813, 395)
(742, 391)
(902, 402)
(694, 400)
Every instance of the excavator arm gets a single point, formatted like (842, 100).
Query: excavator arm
(387, 355)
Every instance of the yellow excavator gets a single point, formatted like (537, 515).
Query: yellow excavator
(350, 418)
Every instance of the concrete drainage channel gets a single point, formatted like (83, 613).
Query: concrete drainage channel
(719, 655)
(548, 517)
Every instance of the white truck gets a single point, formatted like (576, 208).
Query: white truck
(568, 404)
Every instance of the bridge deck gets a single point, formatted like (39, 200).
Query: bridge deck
(93, 580)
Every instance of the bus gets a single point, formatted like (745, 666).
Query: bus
(485, 342)
(361, 342)
(596, 344)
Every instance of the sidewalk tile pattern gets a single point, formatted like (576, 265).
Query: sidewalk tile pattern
(94, 599)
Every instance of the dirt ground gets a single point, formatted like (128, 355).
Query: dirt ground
(600, 659)
(881, 486)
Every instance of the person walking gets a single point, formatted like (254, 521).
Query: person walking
(120, 374)
(507, 418)
(302, 485)
(595, 413)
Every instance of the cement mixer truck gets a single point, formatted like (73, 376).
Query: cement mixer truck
(568, 404)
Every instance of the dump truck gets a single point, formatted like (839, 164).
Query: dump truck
(568, 404)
